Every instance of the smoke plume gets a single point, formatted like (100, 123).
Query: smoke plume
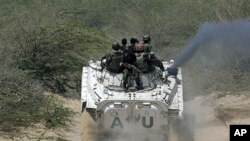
(224, 40)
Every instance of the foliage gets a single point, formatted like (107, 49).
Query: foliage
(45, 43)
(22, 103)
(40, 51)
(171, 24)
(55, 55)
(20, 100)
(55, 114)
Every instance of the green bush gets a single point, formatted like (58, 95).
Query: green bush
(20, 99)
(41, 50)
(23, 103)
(56, 55)
(55, 114)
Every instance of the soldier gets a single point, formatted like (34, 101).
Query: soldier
(143, 62)
(133, 41)
(124, 44)
(147, 46)
(154, 61)
(113, 60)
(129, 73)
(130, 66)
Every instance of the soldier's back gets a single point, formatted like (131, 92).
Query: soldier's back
(114, 62)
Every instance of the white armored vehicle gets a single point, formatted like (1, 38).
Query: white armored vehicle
(157, 109)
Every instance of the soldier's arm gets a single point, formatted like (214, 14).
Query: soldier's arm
(103, 62)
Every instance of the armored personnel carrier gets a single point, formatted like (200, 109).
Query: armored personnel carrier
(157, 109)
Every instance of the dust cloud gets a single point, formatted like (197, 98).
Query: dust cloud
(90, 132)
(216, 58)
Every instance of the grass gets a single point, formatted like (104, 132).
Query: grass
(40, 51)
(45, 43)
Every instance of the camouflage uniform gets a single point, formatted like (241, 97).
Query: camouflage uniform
(124, 45)
(153, 60)
(147, 47)
(146, 40)
(131, 73)
(113, 60)
(143, 62)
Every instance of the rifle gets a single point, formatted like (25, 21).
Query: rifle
(130, 66)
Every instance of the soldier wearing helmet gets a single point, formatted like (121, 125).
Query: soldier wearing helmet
(130, 65)
(153, 60)
(146, 39)
(112, 60)
(133, 41)
(115, 46)
(147, 46)
(124, 44)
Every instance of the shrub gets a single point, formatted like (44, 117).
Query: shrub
(20, 100)
(56, 55)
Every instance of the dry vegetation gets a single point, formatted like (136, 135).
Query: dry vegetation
(45, 43)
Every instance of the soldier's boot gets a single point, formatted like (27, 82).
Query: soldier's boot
(139, 84)
(125, 79)
(125, 86)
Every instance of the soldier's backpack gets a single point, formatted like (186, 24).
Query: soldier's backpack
(147, 48)
(143, 62)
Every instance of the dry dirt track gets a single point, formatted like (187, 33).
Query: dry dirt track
(214, 113)
(39, 132)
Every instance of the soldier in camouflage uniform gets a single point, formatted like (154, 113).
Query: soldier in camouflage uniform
(131, 47)
(112, 61)
(124, 44)
(129, 63)
(153, 60)
(143, 63)
(147, 46)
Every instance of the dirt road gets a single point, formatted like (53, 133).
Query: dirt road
(74, 131)
(214, 113)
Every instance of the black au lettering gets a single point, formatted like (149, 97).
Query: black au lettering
(151, 122)
(117, 122)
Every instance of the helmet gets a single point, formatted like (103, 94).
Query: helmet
(116, 46)
(124, 41)
(133, 40)
(146, 39)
